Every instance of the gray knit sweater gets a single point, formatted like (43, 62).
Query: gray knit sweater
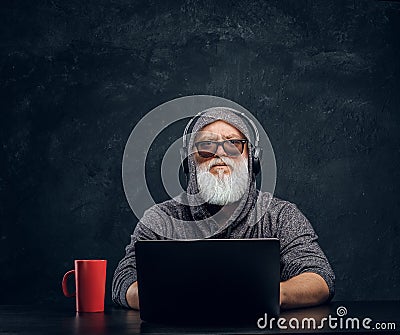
(256, 215)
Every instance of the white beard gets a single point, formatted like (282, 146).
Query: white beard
(223, 188)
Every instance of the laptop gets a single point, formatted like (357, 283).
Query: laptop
(211, 281)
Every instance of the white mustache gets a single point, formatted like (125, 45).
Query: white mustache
(218, 161)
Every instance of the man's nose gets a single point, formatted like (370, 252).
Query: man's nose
(220, 150)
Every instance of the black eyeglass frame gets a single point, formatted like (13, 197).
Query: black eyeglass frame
(210, 154)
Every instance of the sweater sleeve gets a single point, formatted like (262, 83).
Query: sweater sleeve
(125, 273)
(300, 251)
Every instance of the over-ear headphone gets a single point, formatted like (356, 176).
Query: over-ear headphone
(256, 150)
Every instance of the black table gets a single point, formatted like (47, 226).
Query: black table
(346, 315)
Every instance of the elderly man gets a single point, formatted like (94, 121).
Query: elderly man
(221, 201)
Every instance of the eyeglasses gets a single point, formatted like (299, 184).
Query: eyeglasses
(207, 149)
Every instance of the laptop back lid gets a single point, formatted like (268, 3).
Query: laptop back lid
(208, 281)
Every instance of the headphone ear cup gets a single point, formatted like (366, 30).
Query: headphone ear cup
(257, 153)
(184, 161)
(185, 166)
(256, 166)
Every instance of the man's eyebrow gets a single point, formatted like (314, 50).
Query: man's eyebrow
(236, 136)
(214, 137)
(207, 137)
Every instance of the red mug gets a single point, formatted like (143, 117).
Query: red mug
(90, 283)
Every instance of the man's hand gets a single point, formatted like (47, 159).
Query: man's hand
(306, 289)
(132, 296)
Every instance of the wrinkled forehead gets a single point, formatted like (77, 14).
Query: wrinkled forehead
(218, 130)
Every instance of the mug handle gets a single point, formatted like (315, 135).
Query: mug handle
(64, 284)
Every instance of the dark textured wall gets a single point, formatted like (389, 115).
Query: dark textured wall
(323, 77)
